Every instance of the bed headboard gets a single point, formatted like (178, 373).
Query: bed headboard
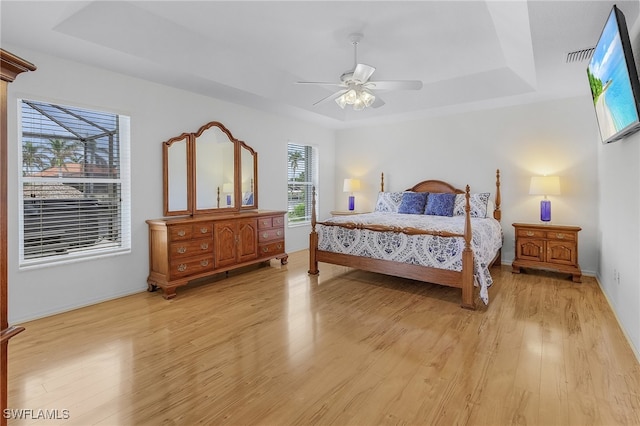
(441, 186)
(434, 186)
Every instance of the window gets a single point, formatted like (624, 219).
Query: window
(301, 175)
(74, 183)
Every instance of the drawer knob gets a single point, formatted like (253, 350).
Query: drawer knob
(279, 246)
(265, 235)
(265, 249)
(530, 233)
(264, 222)
(204, 230)
(182, 267)
(182, 250)
(204, 246)
(279, 233)
(204, 262)
(182, 233)
(559, 236)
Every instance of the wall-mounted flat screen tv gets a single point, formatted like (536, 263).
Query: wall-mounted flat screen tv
(614, 81)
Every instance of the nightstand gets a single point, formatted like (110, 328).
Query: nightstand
(346, 212)
(547, 247)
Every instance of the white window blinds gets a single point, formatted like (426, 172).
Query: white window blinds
(301, 175)
(74, 183)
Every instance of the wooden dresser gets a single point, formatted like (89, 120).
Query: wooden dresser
(182, 249)
(547, 247)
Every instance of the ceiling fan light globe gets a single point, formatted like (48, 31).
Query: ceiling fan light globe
(351, 96)
(359, 105)
(367, 97)
(341, 101)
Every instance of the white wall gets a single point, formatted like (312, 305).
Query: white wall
(157, 114)
(557, 137)
(619, 239)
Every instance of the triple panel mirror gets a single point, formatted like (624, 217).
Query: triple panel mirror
(208, 171)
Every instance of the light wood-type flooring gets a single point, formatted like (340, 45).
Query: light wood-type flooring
(274, 346)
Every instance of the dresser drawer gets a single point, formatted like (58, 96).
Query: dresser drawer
(190, 248)
(202, 230)
(265, 222)
(191, 266)
(187, 232)
(179, 233)
(531, 233)
(265, 235)
(561, 236)
(270, 249)
(271, 222)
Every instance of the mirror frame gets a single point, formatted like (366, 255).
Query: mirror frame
(191, 189)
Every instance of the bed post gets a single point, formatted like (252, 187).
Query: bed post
(467, 258)
(313, 237)
(497, 213)
(381, 182)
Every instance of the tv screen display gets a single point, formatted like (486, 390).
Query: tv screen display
(614, 81)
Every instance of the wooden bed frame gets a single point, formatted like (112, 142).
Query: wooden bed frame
(459, 279)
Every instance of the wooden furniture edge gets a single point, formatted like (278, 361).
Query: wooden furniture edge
(10, 66)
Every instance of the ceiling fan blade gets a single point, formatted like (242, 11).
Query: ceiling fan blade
(395, 85)
(321, 83)
(331, 96)
(377, 103)
(363, 72)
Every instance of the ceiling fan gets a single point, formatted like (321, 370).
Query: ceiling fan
(356, 88)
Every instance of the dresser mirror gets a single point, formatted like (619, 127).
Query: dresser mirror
(208, 171)
(249, 165)
(176, 175)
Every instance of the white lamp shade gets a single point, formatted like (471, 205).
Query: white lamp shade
(351, 185)
(544, 185)
(227, 187)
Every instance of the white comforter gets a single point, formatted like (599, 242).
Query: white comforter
(425, 250)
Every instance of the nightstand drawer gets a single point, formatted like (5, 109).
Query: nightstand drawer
(565, 236)
(530, 233)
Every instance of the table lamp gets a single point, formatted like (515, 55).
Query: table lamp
(545, 185)
(351, 185)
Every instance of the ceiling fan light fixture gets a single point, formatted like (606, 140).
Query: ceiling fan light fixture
(367, 97)
(351, 96)
(358, 98)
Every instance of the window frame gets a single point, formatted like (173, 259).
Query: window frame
(122, 215)
(309, 163)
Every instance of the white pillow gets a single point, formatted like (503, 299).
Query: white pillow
(388, 202)
(478, 203)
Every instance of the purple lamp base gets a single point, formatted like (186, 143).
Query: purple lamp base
(352, 202)
(228, 199)
(545, 210)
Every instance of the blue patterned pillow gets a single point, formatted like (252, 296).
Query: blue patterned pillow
(440, 204)
(413, 202)
(478, 203)
(388, 202)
